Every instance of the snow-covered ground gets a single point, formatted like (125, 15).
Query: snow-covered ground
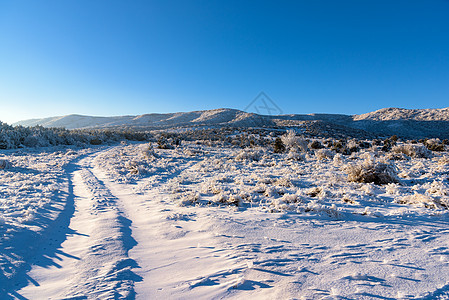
(196, 222)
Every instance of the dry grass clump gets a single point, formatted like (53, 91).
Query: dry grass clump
(412, 150)
(372, 171)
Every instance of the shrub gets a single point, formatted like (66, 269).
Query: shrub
(352, 146)
(315, 145)
(364, 144)
(249, 154)
(4, 164)
(162, 143)
(95, 142)
(322, 154)
(412, 150)
(443, 161)
(434, 145)
(372, 171)
(278, 146)
(377, 142)
(292, 141)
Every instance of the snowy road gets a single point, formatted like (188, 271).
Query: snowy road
(121, 243)
(93, 261)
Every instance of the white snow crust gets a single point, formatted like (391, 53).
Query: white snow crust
(204, 222)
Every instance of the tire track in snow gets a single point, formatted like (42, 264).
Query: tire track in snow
(94, 263)
(105, 270)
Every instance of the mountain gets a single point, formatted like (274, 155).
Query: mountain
(394, 114)
(216, 117)
(407, 123)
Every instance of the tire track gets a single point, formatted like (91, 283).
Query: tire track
(93, 261)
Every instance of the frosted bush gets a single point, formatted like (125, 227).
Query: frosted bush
(434, 145)
(292, 141)
(294, 155)
(189, 198)
(149, 153)
(249, 154)
(319, 192)
(331, 211)
(284, 181)
(420, 200)
(287, 202)
(368, 189)
(135, 167)
(392, 189)
(226, 199)
(444, 161)
(397, 156)
(412, 150)
(438, 188)
(338, 159)
(323, 154)
(372, 171)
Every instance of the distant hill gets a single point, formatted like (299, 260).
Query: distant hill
(407, 123)
(391, 114)
(223, 116)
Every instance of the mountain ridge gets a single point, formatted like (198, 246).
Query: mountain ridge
(412, 123)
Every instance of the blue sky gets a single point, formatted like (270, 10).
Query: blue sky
(134, 57)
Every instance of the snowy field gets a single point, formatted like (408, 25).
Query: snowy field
(204, 222)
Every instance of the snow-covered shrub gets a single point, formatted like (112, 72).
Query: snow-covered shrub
(397, 156)
(294, 155)
(249, 154)
(4, 164)
(444, 160)
(314, 191)
(372, 171)
(322, 154)
(292, 141)
(392, 189)
(189, 198)
(288, 202)
(284, 181)
(421, 200)
(135, 167)
(163, 143)
(438, 188)
(331, 211)
(148, 152)
(412, 150)
(434, 145)
(353, 146)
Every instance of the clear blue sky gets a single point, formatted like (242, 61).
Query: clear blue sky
(134, 57)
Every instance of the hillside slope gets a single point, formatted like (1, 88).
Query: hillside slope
(407, 123)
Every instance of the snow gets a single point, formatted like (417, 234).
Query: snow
(204, 222)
